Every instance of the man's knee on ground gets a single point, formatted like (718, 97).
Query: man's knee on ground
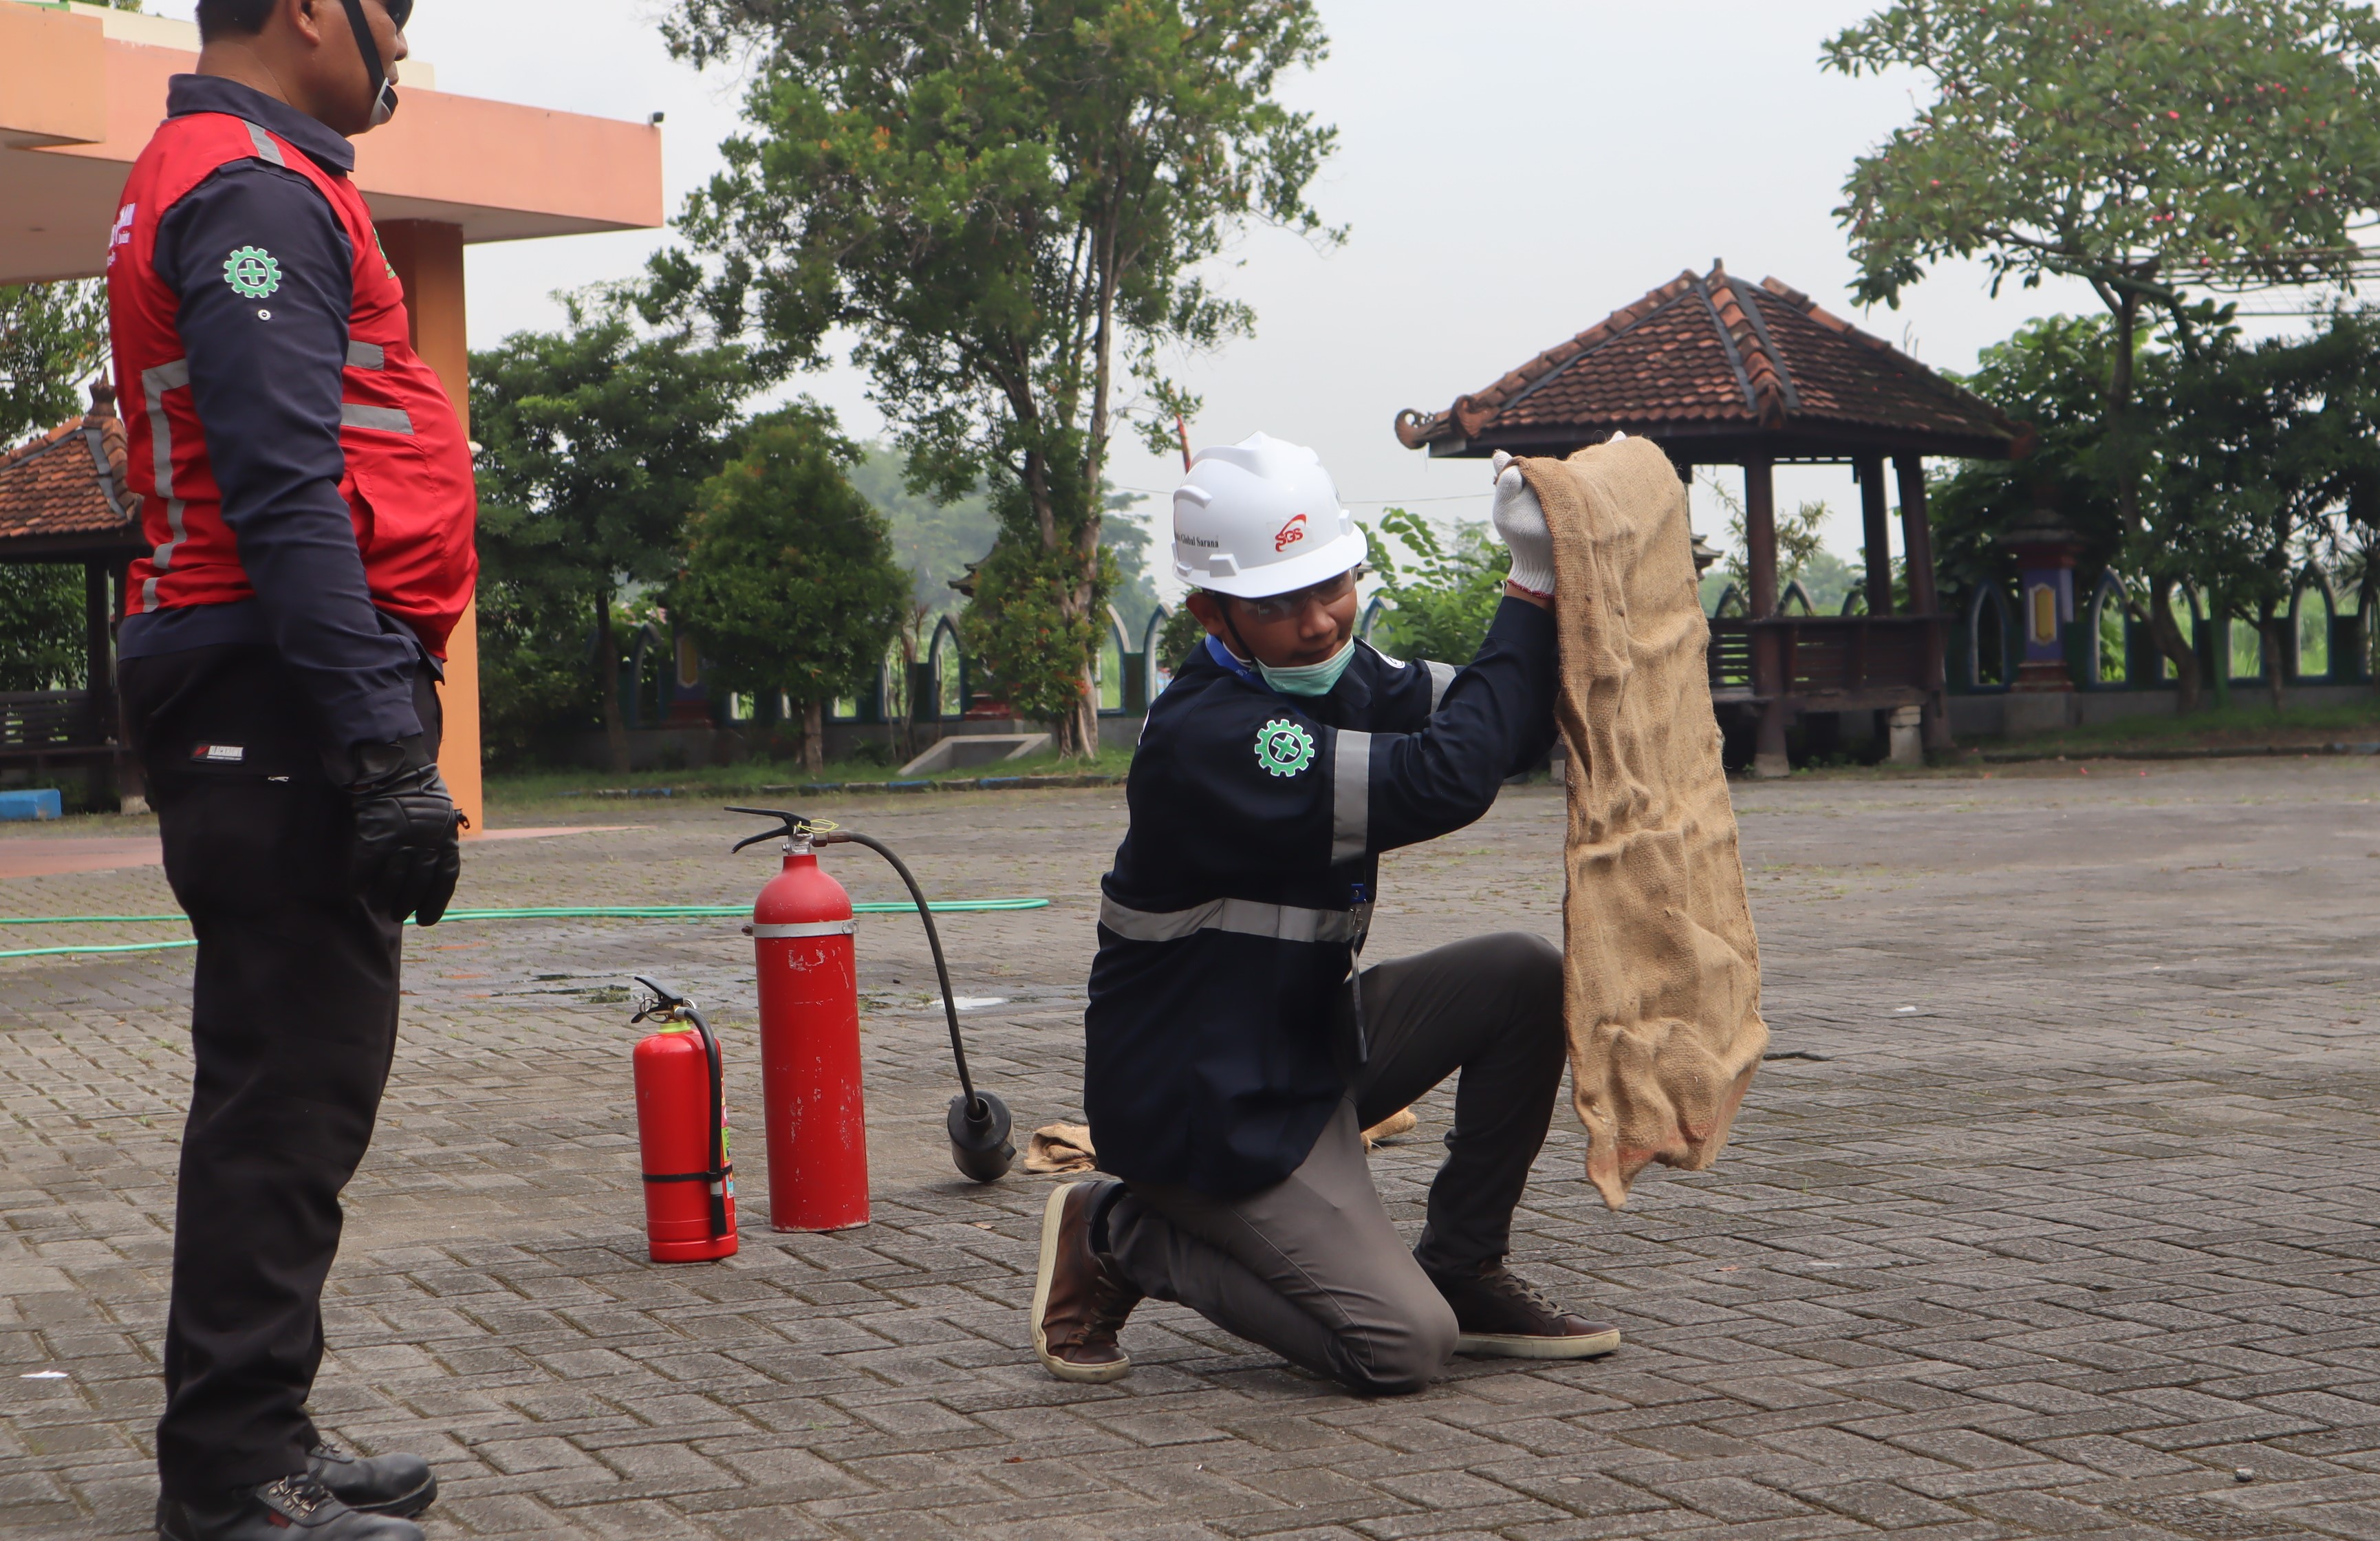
(1398, 1357)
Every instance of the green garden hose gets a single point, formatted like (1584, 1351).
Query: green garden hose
(557, 911)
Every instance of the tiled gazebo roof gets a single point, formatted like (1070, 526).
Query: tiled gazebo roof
(62, 494)
(1714, 368)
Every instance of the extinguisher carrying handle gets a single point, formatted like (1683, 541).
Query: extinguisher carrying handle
(672, 1005)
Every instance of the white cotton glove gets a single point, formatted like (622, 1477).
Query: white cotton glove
(1520, 519)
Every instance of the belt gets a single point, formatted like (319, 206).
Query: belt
(1247, 916)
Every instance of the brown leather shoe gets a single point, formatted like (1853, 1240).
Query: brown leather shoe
(1500, 1314)
(1079, 1300)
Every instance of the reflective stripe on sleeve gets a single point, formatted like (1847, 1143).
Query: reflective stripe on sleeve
(154, 383)
(1351, 796)
(806, 928)
(1247, 916)
(386, 419)
(1441, 676)
(367, 356)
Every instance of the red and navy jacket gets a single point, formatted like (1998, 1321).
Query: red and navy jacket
(1244, 884)
(305, 481)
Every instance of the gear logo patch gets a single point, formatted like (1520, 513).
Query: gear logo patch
(253, 272)
(1283, 747)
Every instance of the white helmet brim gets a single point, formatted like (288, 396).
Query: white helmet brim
(1283, 577)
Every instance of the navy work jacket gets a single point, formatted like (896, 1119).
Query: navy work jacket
(1243, 887)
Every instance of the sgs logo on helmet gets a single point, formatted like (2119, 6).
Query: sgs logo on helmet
(1291, 533)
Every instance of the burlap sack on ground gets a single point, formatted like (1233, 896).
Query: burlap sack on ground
(1055, 1149)
(1662, 972)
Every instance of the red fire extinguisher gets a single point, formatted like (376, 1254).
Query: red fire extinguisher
(816, 1118)
(802, 932)
(681, 1133)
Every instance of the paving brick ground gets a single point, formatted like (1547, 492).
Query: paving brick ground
(2071, 1219)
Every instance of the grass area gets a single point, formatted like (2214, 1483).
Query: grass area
(2353, 723)
(747, 777)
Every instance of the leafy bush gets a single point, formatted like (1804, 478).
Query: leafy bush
(41, 627)
(1442, 596)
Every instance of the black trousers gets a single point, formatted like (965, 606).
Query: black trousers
(1311, 1266)
(293, 1025)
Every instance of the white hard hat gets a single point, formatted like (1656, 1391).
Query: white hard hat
(1262, 517)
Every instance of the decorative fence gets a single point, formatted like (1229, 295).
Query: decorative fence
(662, 682)
(2325, 640)
(948, 686)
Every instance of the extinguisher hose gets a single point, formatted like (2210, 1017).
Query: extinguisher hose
(718, 1168)
(933, 939)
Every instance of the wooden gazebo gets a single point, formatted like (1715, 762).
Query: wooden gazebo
(62, 500)
(1718, 370)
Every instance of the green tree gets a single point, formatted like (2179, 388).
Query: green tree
(2265, 447)
(1007, 203)
(934, 539)
(596, 439)
(1127, 542)
(41, 626)
(2143, 146)
(1442, 596)
(789, 575)
(53, 337)
(2052, 376)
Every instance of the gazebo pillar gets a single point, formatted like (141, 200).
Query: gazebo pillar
(1918, 541)
(1760, 557)
(1879, 530)
(427, 258)
(97, 637)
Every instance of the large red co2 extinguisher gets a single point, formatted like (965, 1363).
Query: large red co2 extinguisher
(810, 1047)
(681, 1133)
(802, 931)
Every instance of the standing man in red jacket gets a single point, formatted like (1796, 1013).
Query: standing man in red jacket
(306, 489)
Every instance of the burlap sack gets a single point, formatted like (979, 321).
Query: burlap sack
(1055, 1149)
(1662, 972)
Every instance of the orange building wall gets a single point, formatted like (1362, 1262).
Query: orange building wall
(429, 262)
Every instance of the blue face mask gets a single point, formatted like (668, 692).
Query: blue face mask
(1310, 679)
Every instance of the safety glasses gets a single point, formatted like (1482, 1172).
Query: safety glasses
(1281, 607)
(400, 12)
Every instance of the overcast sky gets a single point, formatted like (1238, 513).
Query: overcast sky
(1511, 171)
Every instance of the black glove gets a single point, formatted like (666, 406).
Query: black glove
(409, 851)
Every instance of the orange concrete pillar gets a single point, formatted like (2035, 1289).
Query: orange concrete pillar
(429, 261)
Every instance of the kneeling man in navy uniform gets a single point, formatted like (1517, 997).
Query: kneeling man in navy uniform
(1235, 1051)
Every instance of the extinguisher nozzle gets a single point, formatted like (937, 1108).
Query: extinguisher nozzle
(980, 1143)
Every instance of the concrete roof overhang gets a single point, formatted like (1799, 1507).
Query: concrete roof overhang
(81, 90)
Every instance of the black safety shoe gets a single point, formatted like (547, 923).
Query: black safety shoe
(273, 1511)
(398, 1484)
(1496, 1312)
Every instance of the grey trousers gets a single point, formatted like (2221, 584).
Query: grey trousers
(1311, 1267)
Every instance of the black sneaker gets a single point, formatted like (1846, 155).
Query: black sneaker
(1499, 1313)
(398, 1484)
(273, 1510)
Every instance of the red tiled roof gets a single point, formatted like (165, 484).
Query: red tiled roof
(63, 491)
(1716, 357)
